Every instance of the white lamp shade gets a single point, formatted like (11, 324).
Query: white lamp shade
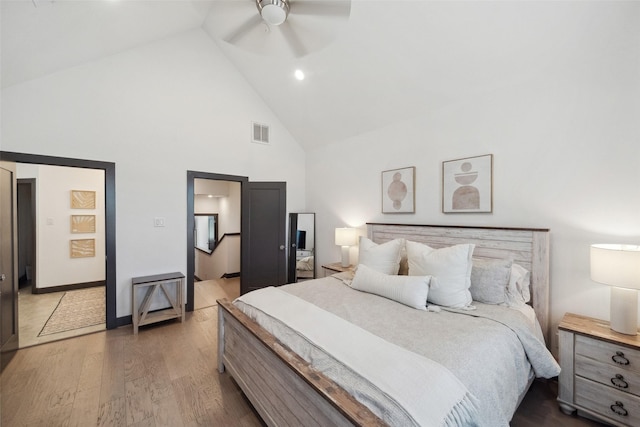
(616, 265)
(345, 236)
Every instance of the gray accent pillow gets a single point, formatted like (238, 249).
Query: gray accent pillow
(490, 280)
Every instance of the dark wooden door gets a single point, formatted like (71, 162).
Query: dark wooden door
(264, 235)
(8, 258)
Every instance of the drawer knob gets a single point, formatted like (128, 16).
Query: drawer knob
(618, 408)
(619, 358)
(619, 381)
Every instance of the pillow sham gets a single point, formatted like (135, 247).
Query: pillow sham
(384, 257)
(450, 269)
(490, 280)
(407, 290)
(519, 282)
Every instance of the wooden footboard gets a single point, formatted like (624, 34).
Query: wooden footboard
(283, 388)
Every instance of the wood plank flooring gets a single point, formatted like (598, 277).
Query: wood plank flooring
(164, 376)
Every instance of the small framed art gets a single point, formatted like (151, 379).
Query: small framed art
(467, 184)
(398, 190)
(83, 223)
(83, 199)
(83, 248)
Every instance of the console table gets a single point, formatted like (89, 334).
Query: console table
(140, 312)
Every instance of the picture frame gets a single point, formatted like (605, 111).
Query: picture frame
(83, 224)
(82, 199)
(82, 248)
(398, 190)
(467, 185)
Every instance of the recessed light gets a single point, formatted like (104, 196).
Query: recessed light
(299, 74)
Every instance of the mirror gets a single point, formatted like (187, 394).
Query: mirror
(302, 236)
(205, 232)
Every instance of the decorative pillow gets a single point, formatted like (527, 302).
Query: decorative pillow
(384, 258)
(450, 269)
(519, 282)
(411, 291)
(489, 280)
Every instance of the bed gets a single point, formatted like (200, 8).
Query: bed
(304, 365)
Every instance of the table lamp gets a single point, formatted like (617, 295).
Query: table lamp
(619, 267)
(345, 237)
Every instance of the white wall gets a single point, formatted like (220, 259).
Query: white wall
(54, 266)
(566, 144)
(156, 111)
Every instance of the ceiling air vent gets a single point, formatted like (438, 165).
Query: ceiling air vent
(260, 133)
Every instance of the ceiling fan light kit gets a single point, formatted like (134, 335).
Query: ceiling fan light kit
(274, 12)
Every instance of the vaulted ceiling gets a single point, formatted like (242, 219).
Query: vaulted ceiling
(388, 61)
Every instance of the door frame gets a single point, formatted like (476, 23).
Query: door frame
(31, 182)
(110, 216)
(191, 258)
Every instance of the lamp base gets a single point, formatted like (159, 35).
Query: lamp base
(346, 262)
(624, 310)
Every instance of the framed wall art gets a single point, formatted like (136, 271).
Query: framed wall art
(83, 248)
(83, 223)
(467, 184)
(398, 190)
(83, 199)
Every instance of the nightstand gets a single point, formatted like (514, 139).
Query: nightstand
(336, 267)
(600, 371)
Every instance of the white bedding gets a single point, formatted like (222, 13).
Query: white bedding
(401, 376)
(489, 350)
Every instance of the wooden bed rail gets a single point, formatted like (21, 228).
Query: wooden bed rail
(347, 408)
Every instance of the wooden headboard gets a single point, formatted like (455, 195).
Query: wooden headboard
(528, 247)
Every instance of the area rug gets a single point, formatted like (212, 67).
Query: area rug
(77, 309)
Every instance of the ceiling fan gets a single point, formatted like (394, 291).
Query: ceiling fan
(293, 27)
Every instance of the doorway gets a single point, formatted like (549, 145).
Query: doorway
(217, 211)
(228, 226)
(262, 235)
(109, 216)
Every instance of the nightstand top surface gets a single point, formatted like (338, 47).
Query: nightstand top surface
(596, 328)
(337, 266)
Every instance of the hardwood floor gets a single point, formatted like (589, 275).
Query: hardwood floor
(206, 292)
(164, 376)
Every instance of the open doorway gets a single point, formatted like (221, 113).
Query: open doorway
(263, 260)
(232, 209)
(107, 201)
(61, 241)
(216, 235)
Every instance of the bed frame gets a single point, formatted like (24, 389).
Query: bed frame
(286, 391)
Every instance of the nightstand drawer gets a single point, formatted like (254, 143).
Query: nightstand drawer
(611, 354)
(613, 404)
(611, 376)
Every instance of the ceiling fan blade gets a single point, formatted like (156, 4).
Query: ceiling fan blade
(243, 29)
(292, 39)
(320, 8)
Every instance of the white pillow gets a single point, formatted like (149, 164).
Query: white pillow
(411, 291)
(384, 258)
(450, 269)
(490, 279)
(519, 282)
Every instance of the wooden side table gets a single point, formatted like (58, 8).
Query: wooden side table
(336, 267)
(600, 374)
(140, 313)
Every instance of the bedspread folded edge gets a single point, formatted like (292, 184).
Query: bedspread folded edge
(424, 390)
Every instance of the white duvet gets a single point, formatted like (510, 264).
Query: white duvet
(402, 376)
(492, 351)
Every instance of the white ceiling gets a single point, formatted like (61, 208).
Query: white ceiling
(389, 61)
